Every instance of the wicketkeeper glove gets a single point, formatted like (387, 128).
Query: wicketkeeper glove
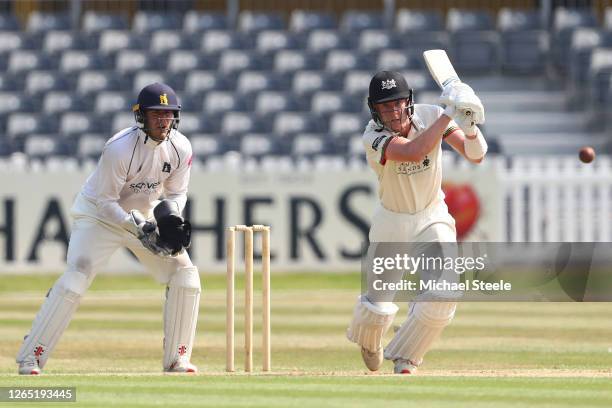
(174, 230)
(146, 232)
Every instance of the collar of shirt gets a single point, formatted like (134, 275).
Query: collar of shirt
(150, 143)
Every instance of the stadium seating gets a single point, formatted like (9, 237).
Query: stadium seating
(197, 22)
(39, 22)
(409, 21)
(304, 21)
(283, 84)
(95, 22)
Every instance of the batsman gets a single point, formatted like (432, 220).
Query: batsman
(132, 200)
(403, 144)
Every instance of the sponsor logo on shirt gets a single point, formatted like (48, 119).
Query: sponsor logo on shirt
(377, 141)
(145, 187)
(410, 168)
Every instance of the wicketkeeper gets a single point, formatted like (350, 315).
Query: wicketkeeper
(119, 206)
(403, 144)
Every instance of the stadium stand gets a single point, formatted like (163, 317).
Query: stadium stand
(284, 84)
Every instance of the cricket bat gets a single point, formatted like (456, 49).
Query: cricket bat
(440, 67)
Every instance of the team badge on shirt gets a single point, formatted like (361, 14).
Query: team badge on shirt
(166, 168)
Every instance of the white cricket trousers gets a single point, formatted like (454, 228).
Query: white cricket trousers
(425, 320)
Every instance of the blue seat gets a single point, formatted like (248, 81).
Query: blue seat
(475, 51)
(197, 22)
(233, 61)
(268, 102)
(307, 82)
(215, 41)
(8, 22)
(285, 123)
(274, 40)
(77, 61)
(518, 20)
(565, 21)
(204, 145)
(525, 52)
(61, 101)
(42, 146)
(164, 41)
(77, 123)
(146, 22)
(113, 101)
(216, 102)
(236, 123)
(130, 61)
(96, 22)
(37, 82)
(255, 81)
(373, 40)
(190, 102)
(290, 61)
(22, 61)
(197, 82)
(307, 20)
(91, 82)
(357, 20)
(600, 74)
(184, 61)
(468, 20)
(420, 80)
(325, 40)
(190, 123)
(15, 40)
(144, 78)
(325, 103)
(343, 123)
(253, 21)
(584, 42)
(256, 144)
(398, 60)
(357, 82)
(419, 41)
(346, 60)
(120, 121)
(58, 41)
(410, 20)
(113, 41)
(40, 21)
(309, 145)
(11, 82)
(14, 102)
(24, 124)
(607, 19)
(90, 145)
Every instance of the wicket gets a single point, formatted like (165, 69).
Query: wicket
(248, 295)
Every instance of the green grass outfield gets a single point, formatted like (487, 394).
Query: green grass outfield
(493, 354)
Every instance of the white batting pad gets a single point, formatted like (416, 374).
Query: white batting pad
(423, 326)
(181, 315)
(370, 323)
(53, 318)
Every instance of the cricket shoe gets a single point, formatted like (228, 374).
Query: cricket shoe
(182, 367)
(403, 366)
(29, 367)
(372, 359)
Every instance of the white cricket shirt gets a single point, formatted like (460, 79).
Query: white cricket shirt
(134, 171)
(406, 187)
